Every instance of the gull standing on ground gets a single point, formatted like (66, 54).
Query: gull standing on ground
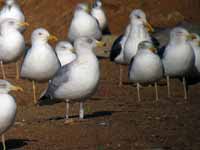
(117, 52)
(40, 62)
(193, 76)
(139, 28)
(77, 81)
(83, 24)
(7, 107)
(12, 43)
(64, 51)
(146, 67)
(98, 13)
(178, 57)
(12, 10)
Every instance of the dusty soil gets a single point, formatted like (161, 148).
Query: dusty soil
(114, 118)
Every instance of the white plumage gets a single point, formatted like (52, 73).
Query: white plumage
(178, 57)
(146, 66)
(11, 10)
(64, 52)
(7, 107)
(83, 24)
(78, 80)
(138, 33)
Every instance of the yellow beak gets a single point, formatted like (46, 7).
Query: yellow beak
(191, 37)
(149, 27)
(88, 9)
(17, 88)
(24, 24)
(52, 38)
(72, 50)
(199, 43)
(100, 44)
(153, 49)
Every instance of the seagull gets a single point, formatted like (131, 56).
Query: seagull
(11, 9)
(178, 57)
(193, 76)
(83, 24)
(98, 13)
(64, 51)
(117, 52)
(40, 62)
(146, 67)
(76, 81)
(139, 28)
(12, 43)
(7, 108)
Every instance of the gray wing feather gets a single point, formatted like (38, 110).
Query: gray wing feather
(62, 76)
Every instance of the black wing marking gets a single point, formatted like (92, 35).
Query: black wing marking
(116, 48)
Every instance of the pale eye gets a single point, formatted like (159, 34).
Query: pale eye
(89, 40)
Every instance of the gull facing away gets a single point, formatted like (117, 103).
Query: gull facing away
(99, 13)
(12, 43)
(11, 9)
(178, 57)
(139, 28)
(64, 51)
(76, 81)
(7, 108)
(146, 67)
(40, 62)
(83, 24)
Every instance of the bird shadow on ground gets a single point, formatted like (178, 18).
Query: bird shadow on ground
(15, 144)
(87, 116)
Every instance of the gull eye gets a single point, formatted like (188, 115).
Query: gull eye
(39, 33)
(89, 40)
(63, 47)
(138, 17)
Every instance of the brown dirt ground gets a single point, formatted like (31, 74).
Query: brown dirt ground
(114, 118)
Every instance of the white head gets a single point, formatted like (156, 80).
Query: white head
(64, 46)
(86, 44)
(6, 87)
(41, 35)
(138, 17)
(146, 45)
(180, 35)
(10, 2)
(97, 4)
(12, 24)
(83, 7)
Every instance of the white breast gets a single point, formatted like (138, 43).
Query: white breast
(7, 112)
(83, 80)
(178, 60)
(11, 52)
(146, 67)
(41, 63)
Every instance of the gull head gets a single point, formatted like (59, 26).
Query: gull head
(64, 46)
(83, 7)
(13, 24)
(6, 87)
(146, 45)
(97, 4)
(9, 2)
(84, 44)
(180, 35)
(42, 35)
(138, 17)
(196, 39)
